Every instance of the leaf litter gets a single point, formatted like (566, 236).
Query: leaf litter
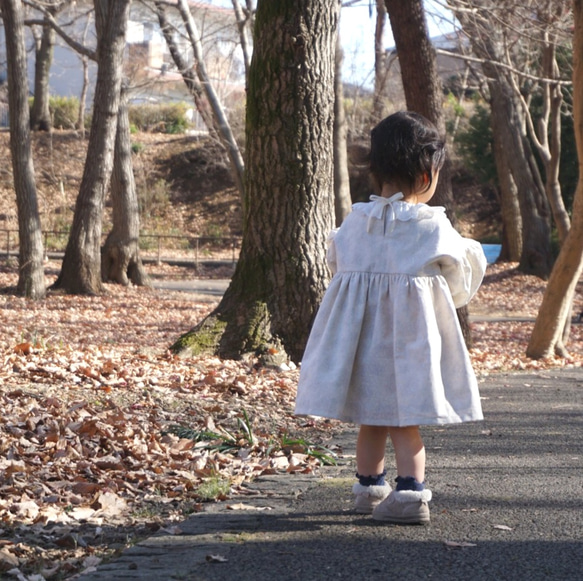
(106, 437)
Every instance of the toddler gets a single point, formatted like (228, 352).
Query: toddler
(386, 349)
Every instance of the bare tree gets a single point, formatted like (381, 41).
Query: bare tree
(40, 116)
(342, 199)
(84, 89)
(120, 255)
(120, 260)
(381, 69)
(546, 134)
(44, 41)
(31, 282)
(288, 206)
(81, 268)
(547, 336)
(244, 18)
(421, 83)
(186, 70)
(218, 120)
(509, 39)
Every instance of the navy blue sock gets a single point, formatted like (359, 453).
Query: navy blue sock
(378, 480)
(409, 483)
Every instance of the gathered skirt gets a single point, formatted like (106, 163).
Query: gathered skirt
(387, 349)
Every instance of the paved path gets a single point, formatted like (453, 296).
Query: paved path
(507, 506)
(213, 287)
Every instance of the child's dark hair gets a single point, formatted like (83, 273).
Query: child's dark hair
(405, 146)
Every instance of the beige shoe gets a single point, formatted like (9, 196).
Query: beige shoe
(406, 507)
(367, 497)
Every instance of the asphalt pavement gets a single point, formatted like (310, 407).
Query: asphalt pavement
(507, 505)
(211, 289)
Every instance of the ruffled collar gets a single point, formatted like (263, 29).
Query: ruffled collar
(397, 210)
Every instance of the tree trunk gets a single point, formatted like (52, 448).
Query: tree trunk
(534, 211)
(380, 63)
(81, 268)
(31, 282)
(423, 94)
(84, 88)
(546, 338)
(509, 207)
(342, 199)
(120, 256)
(40, 116)
(550, 138)
(281, 274)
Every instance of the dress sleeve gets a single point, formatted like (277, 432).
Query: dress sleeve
(464, 270)
(331, 253)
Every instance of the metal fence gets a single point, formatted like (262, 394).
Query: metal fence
(155, 247)
(4, 120)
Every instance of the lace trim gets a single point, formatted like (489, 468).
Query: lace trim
(398, 210)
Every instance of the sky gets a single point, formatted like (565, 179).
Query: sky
(357, 26)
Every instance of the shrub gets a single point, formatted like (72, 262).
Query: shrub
(163, 118)
(64, 112)
(474, 145)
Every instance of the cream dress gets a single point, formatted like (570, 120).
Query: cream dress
(386, 347)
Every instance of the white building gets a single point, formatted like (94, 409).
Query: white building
(149, 65)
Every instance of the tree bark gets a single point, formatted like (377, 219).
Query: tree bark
(281, 274)
(423, 94)
(31, 282)
(546, 338)
(509, 207)
(342, 199)
(81, 268)
(40, 116)
(120, 255)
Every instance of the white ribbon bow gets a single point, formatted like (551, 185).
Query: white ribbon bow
(379, 209)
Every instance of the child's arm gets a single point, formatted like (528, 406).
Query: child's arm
(331, 253)
(464, 270)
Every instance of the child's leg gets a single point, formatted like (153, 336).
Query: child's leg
(409, 452)
(370, 450)
(407, 504)
(371, 488)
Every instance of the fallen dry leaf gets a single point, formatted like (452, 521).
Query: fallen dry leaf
(458, 544)
(243, 506)
(502, 527)
(216, 559)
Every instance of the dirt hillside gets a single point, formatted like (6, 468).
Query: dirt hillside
(184, 186)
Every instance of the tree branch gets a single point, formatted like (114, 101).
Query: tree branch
(76, 46)
(473, 59)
